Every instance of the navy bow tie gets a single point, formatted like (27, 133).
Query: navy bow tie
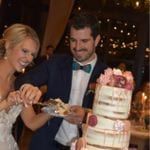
(87, 68)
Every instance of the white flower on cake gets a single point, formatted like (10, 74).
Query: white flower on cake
(117, 71)
(119, 125)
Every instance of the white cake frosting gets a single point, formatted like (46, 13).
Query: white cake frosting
(112, 102)
(108, 138)
(111, 108)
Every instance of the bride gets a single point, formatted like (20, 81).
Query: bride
(18, 47)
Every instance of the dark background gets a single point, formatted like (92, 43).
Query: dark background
(124, 29)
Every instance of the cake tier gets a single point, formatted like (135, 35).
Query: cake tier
(111, 124)
(108, 138)
(112, 102)
(92, 147)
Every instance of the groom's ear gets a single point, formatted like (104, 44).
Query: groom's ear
(97, 39)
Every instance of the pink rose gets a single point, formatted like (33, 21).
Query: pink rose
(92, 121)
(117, 78)
(128, 75)
(112, 81)
(108, 72)
(129, 86)
(103, 80)
(120, 81)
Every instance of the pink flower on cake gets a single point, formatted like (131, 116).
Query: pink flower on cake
(92, 121)
(128, 75)
(104, 80)
(129, 86)
(108, 72)
(120, 81)
(130, 81)
(116, 78)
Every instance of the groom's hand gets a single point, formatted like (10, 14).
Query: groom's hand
(76, 115)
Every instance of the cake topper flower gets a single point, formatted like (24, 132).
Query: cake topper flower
(117, 78)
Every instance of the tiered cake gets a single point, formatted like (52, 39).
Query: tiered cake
(108, 127)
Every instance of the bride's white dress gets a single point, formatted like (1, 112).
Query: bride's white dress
(7, 119)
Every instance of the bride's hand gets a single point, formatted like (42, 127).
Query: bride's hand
(14, 98)
(30, 94)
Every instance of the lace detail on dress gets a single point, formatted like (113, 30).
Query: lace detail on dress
(7, 119)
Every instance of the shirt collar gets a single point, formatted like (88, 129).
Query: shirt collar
(92, 62)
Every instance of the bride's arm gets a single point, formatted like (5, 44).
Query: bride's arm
(4, 104)
(32, 120)
(30, 95)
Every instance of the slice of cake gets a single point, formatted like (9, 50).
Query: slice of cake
(111, 129)
(56, 107)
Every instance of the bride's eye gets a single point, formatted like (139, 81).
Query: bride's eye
(25, 50)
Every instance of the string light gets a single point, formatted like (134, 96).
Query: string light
(5, 26)
(122, 40)
(115, 28)
(108, 20)
(128, 33)
(146, 56)
(133, 26)
(125, 24)
(99, 21)
(79, 8)
(101, 45)
(121, 31)
(147, 50)
(137, 3)
(117, 3)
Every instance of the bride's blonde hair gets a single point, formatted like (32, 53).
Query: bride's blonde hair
(15, 34)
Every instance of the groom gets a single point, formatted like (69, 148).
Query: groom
(68, 78)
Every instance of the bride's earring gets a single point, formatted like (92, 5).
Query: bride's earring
(23, 70)
(5, 56)
(6, 50)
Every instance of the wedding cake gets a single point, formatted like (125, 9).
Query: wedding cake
(107, 126)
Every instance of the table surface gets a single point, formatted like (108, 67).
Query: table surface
(139, 131)
(139, 137)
